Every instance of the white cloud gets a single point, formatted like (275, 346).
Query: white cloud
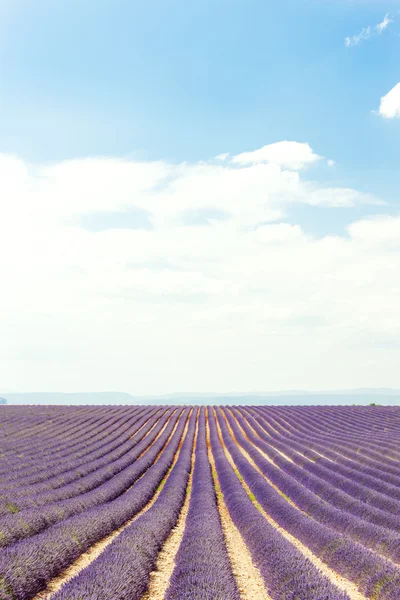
(289, 155)
(382, 231)
(386, 21)
(390, 104)
(248, 302)
(364, 34)
(336, 197)
(368, 32)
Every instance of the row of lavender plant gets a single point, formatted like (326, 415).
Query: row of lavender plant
(384, 438)
(76, 478)
(26, 567)
(378, 538)
(374, 576)
(286, 572)
(352, 469)
(24, 447)
(15, 501)
(28, 522)
(334, 496)
(18, 419)
(134, 551)
(358, 421)
(322, 427)
(40, 451)
(351, 459)
(202, 566)
(365, 416)
(78, 468)
(83, 438)
(23, 421)
(49, 456)
(364, 444)
(288, 424)
(33, 472)
(381, 436)
(336, 452)
(51, 432)
(368, 489)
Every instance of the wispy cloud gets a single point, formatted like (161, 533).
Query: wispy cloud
(383, 25)
(364, 34)
(368, 32)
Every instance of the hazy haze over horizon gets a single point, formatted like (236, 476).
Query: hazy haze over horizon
(339, 398)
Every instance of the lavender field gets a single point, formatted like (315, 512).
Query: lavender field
(198, 503)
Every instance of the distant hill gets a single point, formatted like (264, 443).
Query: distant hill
(341, 397)
(276, 394)
(73, 398)
(3, 401)
(281, 399)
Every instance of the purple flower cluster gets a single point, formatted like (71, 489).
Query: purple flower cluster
(374, 536)
(134, 552)
(27, 566)
(25, 494)
(370, 572)
(78, 475)
(99, 434)
(26, 523)
(316, 479)
(32, 450)
(202, 567)
(287, 574)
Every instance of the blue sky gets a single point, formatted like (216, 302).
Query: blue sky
(169, 85)
(184, 80)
